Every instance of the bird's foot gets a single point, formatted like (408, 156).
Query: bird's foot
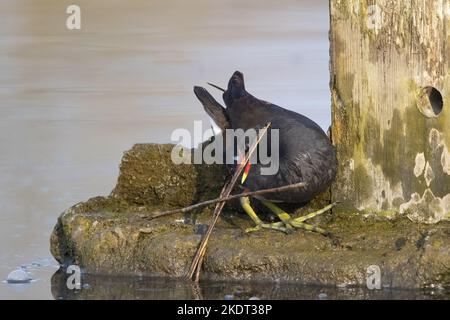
(308, 227)
(272, 226)
(316, 213)
(289, 223)
(299, 222)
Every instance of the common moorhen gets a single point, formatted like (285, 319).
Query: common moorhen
(305, 152)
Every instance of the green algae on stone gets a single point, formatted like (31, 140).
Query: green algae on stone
(148, 177)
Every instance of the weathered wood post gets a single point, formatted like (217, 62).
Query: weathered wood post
(390, 85)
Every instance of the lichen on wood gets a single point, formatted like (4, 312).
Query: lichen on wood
(385, 58)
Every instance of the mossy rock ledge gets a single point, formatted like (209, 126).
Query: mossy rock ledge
(111, 235)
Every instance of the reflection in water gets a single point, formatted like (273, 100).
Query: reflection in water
(105, 287)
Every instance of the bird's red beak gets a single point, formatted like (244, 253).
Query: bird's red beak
(245, 174)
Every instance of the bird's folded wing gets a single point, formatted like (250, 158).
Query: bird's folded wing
(213, 108)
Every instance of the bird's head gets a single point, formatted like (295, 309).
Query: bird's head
(235, 89)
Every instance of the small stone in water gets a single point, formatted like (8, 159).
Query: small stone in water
(323, 296)
(229, 297)
(18, 276)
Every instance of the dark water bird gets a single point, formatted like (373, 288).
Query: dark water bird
(305, 152)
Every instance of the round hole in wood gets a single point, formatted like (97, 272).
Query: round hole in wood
(430, 102)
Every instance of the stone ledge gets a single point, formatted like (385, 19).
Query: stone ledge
(110, 235)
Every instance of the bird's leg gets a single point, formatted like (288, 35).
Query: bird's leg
(284, 216)
(316, 213)
(298, 222)
(245, 203)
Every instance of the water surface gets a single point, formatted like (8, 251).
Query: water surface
(106, 287)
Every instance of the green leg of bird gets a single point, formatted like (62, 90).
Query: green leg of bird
(245, 203)
(287, 220)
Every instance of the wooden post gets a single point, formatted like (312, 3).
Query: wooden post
(390, 86)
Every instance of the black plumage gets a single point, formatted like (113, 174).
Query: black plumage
(305, 151)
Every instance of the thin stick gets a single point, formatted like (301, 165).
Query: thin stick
(217, 87)
(202, 250)
(225, 192)
(198, 259)
(225, 199)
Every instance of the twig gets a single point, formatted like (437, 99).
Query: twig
(198, 259)
(225, 199)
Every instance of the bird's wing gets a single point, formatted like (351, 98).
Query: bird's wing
(213, 108)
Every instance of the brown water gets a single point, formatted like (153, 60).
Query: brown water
(72, 101)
